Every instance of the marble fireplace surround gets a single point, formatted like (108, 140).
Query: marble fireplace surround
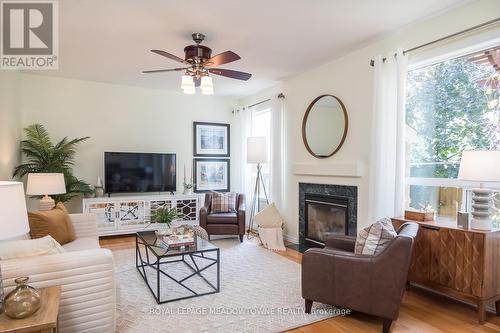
(346, 191)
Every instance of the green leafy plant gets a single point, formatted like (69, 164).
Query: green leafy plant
(165, 215)
(42, 155)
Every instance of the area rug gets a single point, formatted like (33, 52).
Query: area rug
(259, 292)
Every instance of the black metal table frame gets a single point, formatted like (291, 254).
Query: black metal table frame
(157, 266)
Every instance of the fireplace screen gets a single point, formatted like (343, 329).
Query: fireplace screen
(325, 215)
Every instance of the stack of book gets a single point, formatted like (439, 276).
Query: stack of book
(179, 240)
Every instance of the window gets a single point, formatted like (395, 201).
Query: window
(261, 126)
(451, 106)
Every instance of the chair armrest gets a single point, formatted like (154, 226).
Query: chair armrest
(345, 243)
(85, 225)
(87, 283)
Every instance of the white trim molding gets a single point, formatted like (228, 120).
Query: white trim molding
(348, 169)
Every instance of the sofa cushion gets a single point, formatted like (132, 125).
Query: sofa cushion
(223, 202)
(55, 222)
(223, 218)
(84, 243)
(374, 238)
(29, 248)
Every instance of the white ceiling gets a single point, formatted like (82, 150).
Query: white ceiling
(109, 40)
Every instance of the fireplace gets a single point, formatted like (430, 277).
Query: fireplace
(324, 214)
(326, 208)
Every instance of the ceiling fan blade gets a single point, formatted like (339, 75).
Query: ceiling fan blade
(197, 81)
(230, 73)
(170, 56)
(222, 58)
(164, 70)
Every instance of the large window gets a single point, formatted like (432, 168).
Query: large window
(452, 106)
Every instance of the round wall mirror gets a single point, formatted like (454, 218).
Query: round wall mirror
(324, 127)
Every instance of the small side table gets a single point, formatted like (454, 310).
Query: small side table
(42, 321)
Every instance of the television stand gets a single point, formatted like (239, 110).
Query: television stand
(121, 215)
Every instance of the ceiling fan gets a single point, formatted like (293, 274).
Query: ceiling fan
(199, 64)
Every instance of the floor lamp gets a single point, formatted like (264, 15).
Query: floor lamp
(257, 154)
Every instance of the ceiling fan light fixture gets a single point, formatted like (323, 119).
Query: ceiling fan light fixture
(187, 82)
(206, 83)
(189, 91)
(207, 91)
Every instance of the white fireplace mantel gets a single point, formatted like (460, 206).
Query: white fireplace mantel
(346, 169)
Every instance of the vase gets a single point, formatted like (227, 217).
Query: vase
(188, 191)
(99, 192)
(23, 301)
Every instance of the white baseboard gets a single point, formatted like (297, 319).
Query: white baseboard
(291, 239)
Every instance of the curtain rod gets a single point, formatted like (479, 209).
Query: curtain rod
(258, 103)
(482, 25)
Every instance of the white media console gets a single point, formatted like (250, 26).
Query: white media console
(118, 215)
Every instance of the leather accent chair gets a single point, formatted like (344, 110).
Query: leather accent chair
(223, 223)
(369, 284)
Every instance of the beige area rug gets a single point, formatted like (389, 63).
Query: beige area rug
(259, 292)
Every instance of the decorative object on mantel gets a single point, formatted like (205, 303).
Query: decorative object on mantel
(99, 188)
(43, 156)
(23, 301)
(324, 127)
(211, 174)
(188, 186)
(419, 215)
(480, 166)
(45, 184)
(211, 139)
(14, 221)
(257, 154)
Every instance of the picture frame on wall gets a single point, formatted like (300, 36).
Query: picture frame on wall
(211, 174)
(211, 139)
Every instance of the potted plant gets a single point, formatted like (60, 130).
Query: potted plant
(426, 213)
(164, 216)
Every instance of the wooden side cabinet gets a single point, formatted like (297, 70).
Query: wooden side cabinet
(461, 263)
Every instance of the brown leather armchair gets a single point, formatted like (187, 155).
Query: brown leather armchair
(369, 284)
(224, 223)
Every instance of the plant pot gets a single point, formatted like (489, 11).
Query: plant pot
(188, 191)
(419, 216)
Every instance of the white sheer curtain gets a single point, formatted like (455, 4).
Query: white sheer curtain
(277, 152)
(387, 159)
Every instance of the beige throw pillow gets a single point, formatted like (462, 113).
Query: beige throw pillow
(55, 222)
(374, 238)
(223, 202)
(29, 248)
(269, 217)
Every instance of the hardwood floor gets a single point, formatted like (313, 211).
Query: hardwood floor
(421, 311)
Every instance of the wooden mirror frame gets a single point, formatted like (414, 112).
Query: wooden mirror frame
(304, 122)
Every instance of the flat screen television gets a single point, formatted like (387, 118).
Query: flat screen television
(139, 172)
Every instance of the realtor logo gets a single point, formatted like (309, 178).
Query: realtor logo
(29, 34)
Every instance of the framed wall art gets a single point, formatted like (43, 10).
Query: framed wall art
(211, 174)
(211, 139)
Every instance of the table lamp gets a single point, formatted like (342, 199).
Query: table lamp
(14, 221)
(480, 166)
(46, 184)
(257, 154)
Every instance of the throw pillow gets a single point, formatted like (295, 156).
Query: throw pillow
(54, 222)
(269, 217)
(29, 248)
(374, 238)
(223, 202)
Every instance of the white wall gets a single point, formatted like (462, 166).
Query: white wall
(350, 79)
(118, 118)
(10, 123)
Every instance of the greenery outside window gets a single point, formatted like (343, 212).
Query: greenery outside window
(451, 106)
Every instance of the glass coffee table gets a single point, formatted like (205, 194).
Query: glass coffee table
(173, 274)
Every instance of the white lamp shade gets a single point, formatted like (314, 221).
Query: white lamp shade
(480, 166)
(14, 220)
(256, 149)
(45, 184)
(189, 91)
(187, 82)
(206, 83)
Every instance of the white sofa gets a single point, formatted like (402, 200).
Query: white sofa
(86, 274)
